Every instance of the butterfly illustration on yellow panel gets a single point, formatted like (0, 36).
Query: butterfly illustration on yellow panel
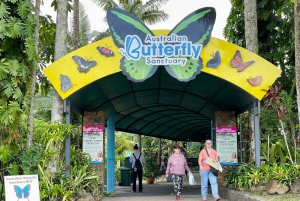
(237, 62)
(215, 61)
(83, 65)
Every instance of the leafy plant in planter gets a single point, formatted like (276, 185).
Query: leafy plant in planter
(151, 169)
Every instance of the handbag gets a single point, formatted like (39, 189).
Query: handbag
(212, 169)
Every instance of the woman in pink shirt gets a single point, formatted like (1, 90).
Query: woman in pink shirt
(177, 166)
(205, 172)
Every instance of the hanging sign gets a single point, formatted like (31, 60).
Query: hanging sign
(226, 141)
(22, 187)
(92, 142)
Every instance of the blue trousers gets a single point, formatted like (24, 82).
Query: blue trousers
(206, 175)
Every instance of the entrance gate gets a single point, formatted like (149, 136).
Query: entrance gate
(134, 79)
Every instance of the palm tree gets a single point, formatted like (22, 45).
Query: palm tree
(148, 13)
(85, 35)
(33, 78)
(60, 51)
(250, 12)
(297, 51)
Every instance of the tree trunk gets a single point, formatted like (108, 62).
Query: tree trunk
(75, 28)
(251, 25)
(30, 122)
(252, 45)
(297, 51)
(60, 51)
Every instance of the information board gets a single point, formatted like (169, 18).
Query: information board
(92, 142)
(226, 141)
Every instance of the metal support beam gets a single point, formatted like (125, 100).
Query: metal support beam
(140, 142)
(256, 113)
(110, 163)
(212, 131)
(159, 150)
(67, 109)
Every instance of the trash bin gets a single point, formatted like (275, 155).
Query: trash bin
(127, 164)
(125, 176)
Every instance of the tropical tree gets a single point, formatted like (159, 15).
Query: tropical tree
(75, 26)
(252, 45)
(149, 13)
(297, 51)
(60, 51)
(33, 76)
(275, 21)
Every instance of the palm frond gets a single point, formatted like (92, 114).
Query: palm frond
(106, 4)
(100, 35)
(154, 16)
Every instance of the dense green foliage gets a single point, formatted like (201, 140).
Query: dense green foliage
(17, 61)
(246, 175)
(275, 20)
(49, 144)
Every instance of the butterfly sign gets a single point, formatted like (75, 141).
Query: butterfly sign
(105, 51)
(83, 65)
(179, 51)
(255, 81)
(215, 61)
(22, 192)
(65, 83)
(237, 62)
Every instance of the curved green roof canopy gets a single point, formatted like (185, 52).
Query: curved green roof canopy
(162, 106)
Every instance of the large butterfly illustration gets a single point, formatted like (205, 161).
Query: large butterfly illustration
(65, 83)
(237, 62)
(215, 61)
(255, 81)
(126, 28)
(22, 192)
(83, 65)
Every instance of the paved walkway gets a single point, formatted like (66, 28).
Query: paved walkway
(159, 191)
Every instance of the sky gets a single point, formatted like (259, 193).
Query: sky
(177, 10)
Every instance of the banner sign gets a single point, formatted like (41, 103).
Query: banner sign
(226, 141)
(92, 142)
(22, 187)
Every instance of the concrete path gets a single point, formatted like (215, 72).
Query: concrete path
(161, 190)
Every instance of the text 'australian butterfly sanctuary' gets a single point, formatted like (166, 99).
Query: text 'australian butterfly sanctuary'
(134, 39)
(105, 51)
(237, 62)
(255, 81)
(65, 83)
(215, 61)
(83, 65)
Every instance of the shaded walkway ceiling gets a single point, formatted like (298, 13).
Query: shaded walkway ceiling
(162, 106)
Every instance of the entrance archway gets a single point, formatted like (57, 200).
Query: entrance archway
(231, 79)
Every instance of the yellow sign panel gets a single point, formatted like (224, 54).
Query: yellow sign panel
(219, 58)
